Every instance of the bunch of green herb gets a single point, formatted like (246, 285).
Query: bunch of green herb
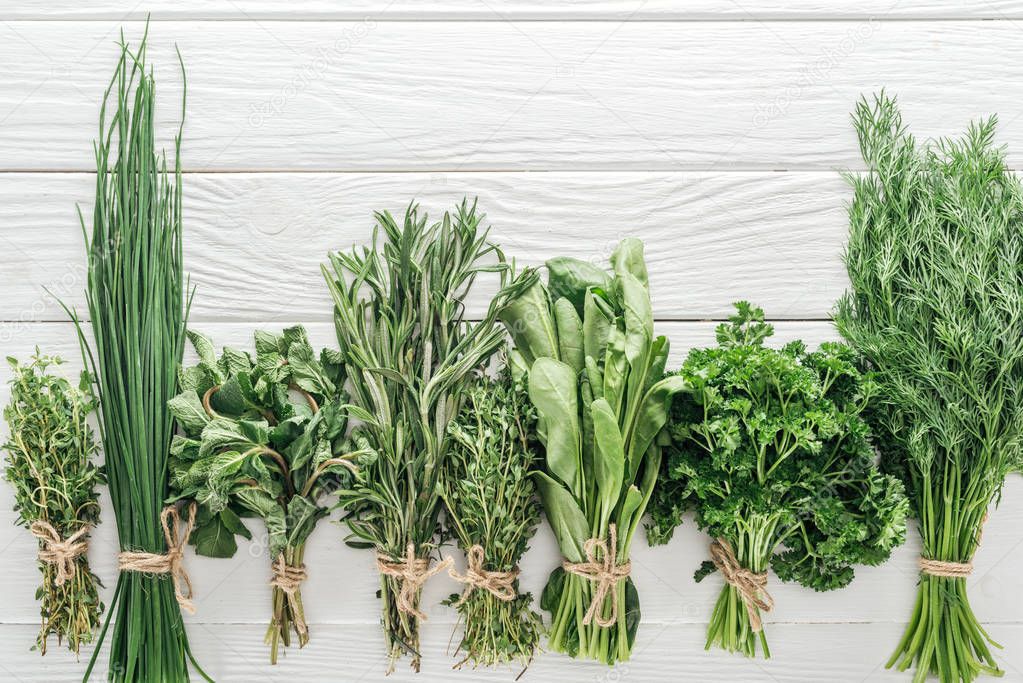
(596, 380)
(49, 464)
(262, 437)
(136, 297)
(935, 257)
(770, 448)
(492, 511)
(409, 354)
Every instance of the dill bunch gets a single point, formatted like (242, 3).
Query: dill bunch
(491, 504)
(935, 258)
(50, 465)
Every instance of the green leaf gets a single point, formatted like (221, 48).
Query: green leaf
(596, 329)
(570, 334)
(628, 259)
(608, 455)
(653, 413)
(639, 321)
(530, 323)
(268, 343)
(188, 411)
(256, 431)
(306, 370)
(214, 539)
(553, 391)
(233, 362)
(632, 612)
(229, 399)
(301, 519)
(616, 370)
(266, 507)
(234, 524)
(571, 278)
(566, 519)
(203, 346)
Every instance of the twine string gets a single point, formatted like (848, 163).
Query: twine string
(170, 562)
(499, 584)
(602, 568)
(952, 570)
(288, 579)
(60, 552)
(412, 572)
(752, 586)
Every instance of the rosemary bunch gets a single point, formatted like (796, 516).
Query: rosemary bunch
(49, 465)
(935, 258)
(409, 354)
(136, 298)
(491, 506)
(262, 438)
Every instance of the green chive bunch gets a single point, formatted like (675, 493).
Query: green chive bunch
(136, 296)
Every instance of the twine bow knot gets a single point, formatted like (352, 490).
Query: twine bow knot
(601, 567)
(60, 552)
(412, 572)
(170, 562)
(288, 579)
(752, 586)
(499, 584)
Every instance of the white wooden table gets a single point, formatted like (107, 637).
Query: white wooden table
(713, 130)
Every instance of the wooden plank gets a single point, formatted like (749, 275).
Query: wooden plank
(255, 241)
(236, 590)
(802, 653)
(502, 10)
(504, 95)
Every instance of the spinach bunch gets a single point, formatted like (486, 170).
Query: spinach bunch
(263, 437)
(771, 450)
(935, 259)
(50, 465)
(492, 511)
(410, 353)
(596, 379)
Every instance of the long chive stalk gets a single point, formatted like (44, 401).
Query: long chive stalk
(136, 299)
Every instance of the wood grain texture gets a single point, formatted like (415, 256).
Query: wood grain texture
(502, 10)
(575, 123)
(665, 653)
(494, 96)
(254, 242)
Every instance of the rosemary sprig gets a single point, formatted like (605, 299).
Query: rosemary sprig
(50, 466)
(409, 353)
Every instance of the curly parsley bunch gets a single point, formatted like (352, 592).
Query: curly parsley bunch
(771, 451)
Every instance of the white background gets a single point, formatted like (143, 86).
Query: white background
(713, 130)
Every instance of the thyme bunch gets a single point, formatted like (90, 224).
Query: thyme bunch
(490, 501)
(50, 454)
